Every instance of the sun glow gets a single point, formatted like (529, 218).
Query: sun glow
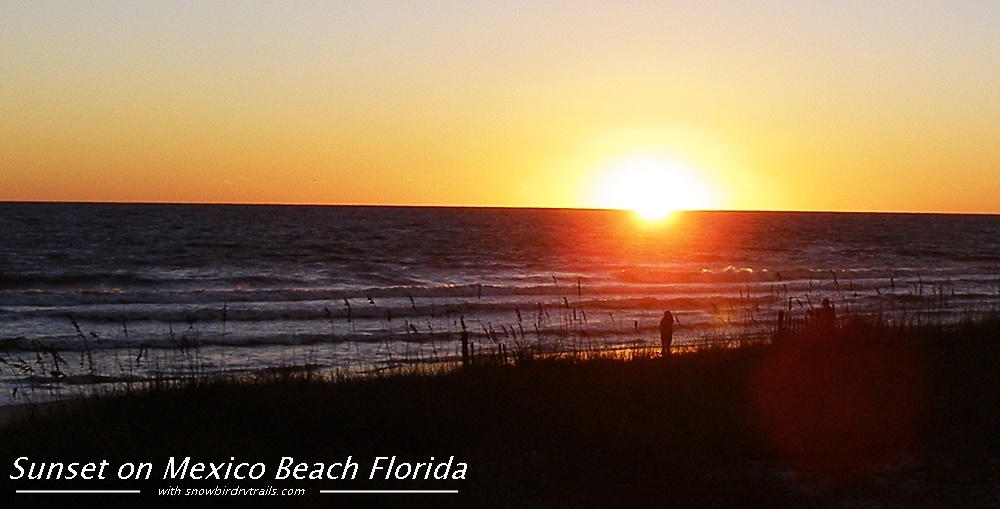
(653, 188)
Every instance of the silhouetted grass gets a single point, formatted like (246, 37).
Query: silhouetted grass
(863, 414)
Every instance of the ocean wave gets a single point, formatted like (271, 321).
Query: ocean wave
(376, 285)
(74, 281)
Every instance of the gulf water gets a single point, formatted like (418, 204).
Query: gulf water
(104, 292)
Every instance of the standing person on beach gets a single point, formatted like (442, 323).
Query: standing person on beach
(666, 333)
(827, 315)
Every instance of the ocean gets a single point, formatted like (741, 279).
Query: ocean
(104, 293)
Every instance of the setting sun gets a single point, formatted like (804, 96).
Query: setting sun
(653, 188)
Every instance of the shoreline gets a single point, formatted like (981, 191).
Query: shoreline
(700, 429)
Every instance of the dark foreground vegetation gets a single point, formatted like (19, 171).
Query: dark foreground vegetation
(860, 416)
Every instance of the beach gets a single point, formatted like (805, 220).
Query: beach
(912, 427)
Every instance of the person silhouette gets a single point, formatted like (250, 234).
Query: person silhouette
(666, 333)
(826, 316)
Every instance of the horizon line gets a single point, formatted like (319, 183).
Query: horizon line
(489, 207)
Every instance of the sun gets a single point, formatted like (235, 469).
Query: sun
(653, 188)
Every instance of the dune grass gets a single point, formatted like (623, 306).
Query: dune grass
(863, 414)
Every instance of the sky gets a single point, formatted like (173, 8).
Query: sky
(765, 105)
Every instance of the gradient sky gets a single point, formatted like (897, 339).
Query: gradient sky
(806, 105)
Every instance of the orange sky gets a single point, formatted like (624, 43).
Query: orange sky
(772, 105)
